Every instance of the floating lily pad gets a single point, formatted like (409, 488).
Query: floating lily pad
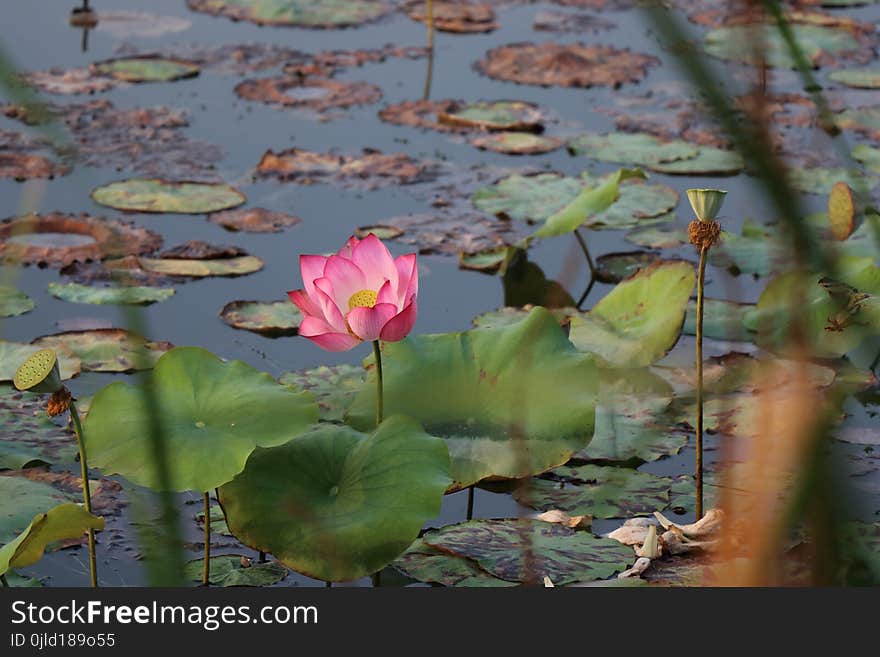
(565, 65)
(58, 239)
(334, 388)
(336, 504)
(456, 17)
(528, 550)
(868, 155)
(527, 198)
(428, 564)
(313, 93)
(497, 115)
(147, 68)
(516, 143)
(864, 120)
(299, 13)
(623, 438)
(27, 166)
(106, 350)
(61, 522)
(631, 148)
(273, 319)
(13, 354)
(28, 436)
(127, 24)
(640, 320)
(422, 114)
(379, 230)
(135, 295)
(452, 233)
(658, 237)
(215, 413)
(722, 320)
(71, 81)
(638, 204)
(505, 410)
(218, 521)
(240, 266)
(617, 267)
(862, 78)
(818, 180)
(598, 491)
(154, 195)
(557, 21)
(13, 302)
(253, 220)
(757, 251)
(485, 261)
(230, 570)
(709, 161)
(508, 316)
(841, 211)
(20, 500)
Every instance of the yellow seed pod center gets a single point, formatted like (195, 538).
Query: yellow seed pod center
(35, 369)
(362, 299)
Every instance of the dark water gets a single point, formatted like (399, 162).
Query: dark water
(39, 37)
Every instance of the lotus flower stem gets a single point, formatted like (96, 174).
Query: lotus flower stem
(470, 503)
(262, 557)
(429, 18)
(586, 293)
(377, 352)
(206, 573)
(586, 250)
(4, 582)
(87, 493)
(699, 461)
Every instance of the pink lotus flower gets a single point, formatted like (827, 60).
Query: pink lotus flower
(360, 294)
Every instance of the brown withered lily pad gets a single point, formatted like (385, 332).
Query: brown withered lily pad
(495, 115)
(253, 220)
(107, 495)
(381, 231)
(371, 169)
(328, 62)
(558, 21)
(299, 13)
(107, 350)
(457, 17)
(517, 143)
(451, 233)
(269, 318)
(199, 250)
(313, 93)
(421, 114)
(72, 81)
(57, 240)
(27, 166)
(565, 65)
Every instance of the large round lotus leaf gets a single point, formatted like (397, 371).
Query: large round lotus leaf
(239, 266)
(709, 161)
(336, 504)
(511, 401)
(529, 550)
(658, 237)
(722, 320)
(302, 13)
(861, 78)
(334, 388)
(631, 148)
(816, 42)
(13, 354)
(147, 69)
(271, 318)
(212, 414)
(27, 434)
(622, 438)
(639, 204)
(598, 491)
(134, 295)
(516, 143)
(617, 267)
(236, 570)
(154, 195)
(20, 500)
(508, 315)
(834, 317)
(498, 115)
(62, 522)
(13, 302)
(428, 564)
(640, 320)
(527, 198)
(106, 350)
(818, 180)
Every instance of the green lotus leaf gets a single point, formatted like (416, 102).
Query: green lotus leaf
(864, 120)
(759, 250)
(640, 320)
(228, 570)
(17, 581)
(639, 204)
(64, 521)
(509, 315)
(334, 388)
(154, 195)
(709, 161)
(106, 350)
(490, 261)
(658, 237)
(868, 155)
(527, 198)
(20, 500)
(134, 295)
(617, 267)
(269, 318)
(213, 415)
(303, 13)
(529, 550)
(13, 302)
(13, 354)
(510, 402)
(147, 69)
(815, 41)
(639, 149)
(818, 180)
(27, 434)
(497, 115)
(598, 491)
(218, 520)
(336, 504)
(237, 266)
(867, 77)
(428, 564)
(722, 320)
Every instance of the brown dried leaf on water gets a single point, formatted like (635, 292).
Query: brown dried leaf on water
(558, 21)
(200, 250)
(107, 495)
(458, 17)
(598, 4)
(371, 169)
(126, 24)
(562, 518)
(708, 526)
(633, 531)
(57, 240)
(125, 271)
(253, 220)
(640, 566)
(451, 233)
(318, 94)
(72, 81)
(26, 166)
(565, 65)
(421, 114)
